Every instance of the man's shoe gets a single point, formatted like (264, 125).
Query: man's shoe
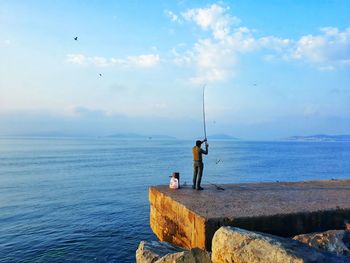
(193, 187)
(200, 188)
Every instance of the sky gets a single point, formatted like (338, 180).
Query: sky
(271, 69)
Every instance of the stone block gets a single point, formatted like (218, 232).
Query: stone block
(236, 245)
(189, 218)
(163, 252)
(334, 241)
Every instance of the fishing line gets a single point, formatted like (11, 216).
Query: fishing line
(204, 124)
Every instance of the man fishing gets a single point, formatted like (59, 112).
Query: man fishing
(198, 163)
(197, 152)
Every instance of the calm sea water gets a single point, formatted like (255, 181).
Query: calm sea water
(86, 200)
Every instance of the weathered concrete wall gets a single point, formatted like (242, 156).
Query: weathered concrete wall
(286, 225)
(189, 218)
(174, 223)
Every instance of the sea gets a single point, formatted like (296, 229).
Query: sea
(86, 199)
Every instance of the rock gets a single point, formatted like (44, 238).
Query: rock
(347, 225)
(163, 252)
(195, 255)
(335, 241)
(152, 251)
(237, 245)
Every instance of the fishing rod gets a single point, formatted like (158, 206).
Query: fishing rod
(205, 136)
(204, 124)
(218, 187)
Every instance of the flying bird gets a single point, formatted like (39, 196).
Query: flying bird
(76, 38)
(100, 75)
(217, 161)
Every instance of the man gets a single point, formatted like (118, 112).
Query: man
(198, 163)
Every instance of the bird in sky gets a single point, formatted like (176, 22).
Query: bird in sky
(100, 75)
(76, 38)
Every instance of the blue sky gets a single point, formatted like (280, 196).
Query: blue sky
(272, 68)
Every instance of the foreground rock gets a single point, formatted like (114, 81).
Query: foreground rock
(335, 241)
(162, 252)
(237, 245)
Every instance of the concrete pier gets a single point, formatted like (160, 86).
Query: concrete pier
(189, 218)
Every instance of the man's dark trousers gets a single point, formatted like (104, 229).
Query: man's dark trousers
(197, 174)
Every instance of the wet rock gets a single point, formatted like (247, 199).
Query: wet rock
(163, 252)
(237, 245)
(334, 241)
(152, 251)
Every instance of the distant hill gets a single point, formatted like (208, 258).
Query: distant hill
(221, 137)
(321, 138)
(135, 136)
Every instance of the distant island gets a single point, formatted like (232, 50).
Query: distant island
(320, 138)
(222, 137)
(135, 136)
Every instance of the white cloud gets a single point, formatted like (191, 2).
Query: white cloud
(242, 40)
(146, 61)
(101, 61)
(79, 59)
(215, 58)
(172, 16)
(184, 59)
(275, 43)
(214, 18)
(327, 50)
(214, 61)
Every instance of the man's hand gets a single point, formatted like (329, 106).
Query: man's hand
(205, 140)
(206, 144)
